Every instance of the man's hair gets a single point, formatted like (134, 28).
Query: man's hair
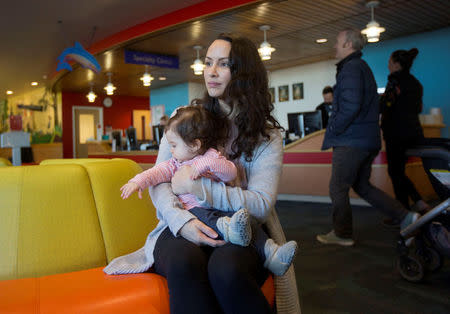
(327, 89)
(354, 36)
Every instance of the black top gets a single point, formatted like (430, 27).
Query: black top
(400, 108)
(325, 109)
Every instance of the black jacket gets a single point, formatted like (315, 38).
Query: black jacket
(400, 108)
(325, 110)
(354, 120)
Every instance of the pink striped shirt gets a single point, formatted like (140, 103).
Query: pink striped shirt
(212, 165)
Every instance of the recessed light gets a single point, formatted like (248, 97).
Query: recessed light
(9, 92)
(34, 83)
(321, 40)
(162, 78)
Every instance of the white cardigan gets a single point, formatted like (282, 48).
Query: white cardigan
(262, 173)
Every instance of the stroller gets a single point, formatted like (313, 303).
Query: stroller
(431, 231)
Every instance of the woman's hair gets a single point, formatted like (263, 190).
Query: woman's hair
(248, 90)
(405, 58)
(195, 122)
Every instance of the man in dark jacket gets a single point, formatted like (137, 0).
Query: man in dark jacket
(354, 134)
(325, 107)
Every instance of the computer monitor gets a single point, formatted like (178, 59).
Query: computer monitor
(158, 132)
(304, 123)
(117, 139)
(131, 138)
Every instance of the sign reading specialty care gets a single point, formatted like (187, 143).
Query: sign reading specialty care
(138, 57)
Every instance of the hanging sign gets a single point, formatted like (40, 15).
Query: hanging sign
(163, 61)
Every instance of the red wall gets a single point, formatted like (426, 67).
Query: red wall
(119, 115)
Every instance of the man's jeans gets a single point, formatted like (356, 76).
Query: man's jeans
(351, 169)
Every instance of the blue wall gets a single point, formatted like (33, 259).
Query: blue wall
(431, 66)
(171, 97)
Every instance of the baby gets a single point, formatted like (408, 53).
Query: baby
(194, 135)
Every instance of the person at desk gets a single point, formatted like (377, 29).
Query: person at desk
(158, 131)
(400, 108)
(325, 107)
(163, 120)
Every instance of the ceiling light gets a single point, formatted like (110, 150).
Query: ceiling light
(321, 40)
(109, 87)
(198, 65)
(9, 92)
(265, 49)
(147, 78)
(91, 96)
(373, 29)
(162, 78)
(34, 83)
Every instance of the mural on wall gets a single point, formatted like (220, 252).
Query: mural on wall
(39, 113)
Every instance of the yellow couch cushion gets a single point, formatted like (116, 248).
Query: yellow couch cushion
(78, 161)
(52, 225)
(10, 201)
(125, 223)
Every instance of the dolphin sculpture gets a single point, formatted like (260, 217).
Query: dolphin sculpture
(80, 55)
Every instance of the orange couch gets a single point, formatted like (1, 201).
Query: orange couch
(62, 222)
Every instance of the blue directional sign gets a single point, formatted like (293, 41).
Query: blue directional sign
(138, 57)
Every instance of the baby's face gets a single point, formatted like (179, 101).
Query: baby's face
(179, 149)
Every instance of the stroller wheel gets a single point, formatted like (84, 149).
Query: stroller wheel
(430, 258)
(410, 268)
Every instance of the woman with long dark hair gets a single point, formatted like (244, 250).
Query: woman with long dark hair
(205, 275)
(401, 105)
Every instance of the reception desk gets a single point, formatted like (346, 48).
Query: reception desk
(307, 170)
(145, 158)
(40, 152)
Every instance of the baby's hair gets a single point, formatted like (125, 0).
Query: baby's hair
(194, 122)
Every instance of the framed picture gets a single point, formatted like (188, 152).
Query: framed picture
(283, 93)
(272, 94)
(297, 91)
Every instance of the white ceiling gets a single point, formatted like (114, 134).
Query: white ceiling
(31, 37)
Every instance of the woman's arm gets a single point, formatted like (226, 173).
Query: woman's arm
(263, 176)
(169, 209)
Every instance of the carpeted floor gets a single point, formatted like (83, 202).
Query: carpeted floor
(359, 279)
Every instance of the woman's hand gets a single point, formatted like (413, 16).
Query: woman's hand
(181, 181)
(197, 232)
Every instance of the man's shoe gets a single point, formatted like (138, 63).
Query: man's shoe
(332, 238)
(391, 222)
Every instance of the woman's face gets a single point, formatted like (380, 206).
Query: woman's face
(393, 66)
(217, 72)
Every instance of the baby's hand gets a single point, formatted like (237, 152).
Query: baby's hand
(129, 189)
